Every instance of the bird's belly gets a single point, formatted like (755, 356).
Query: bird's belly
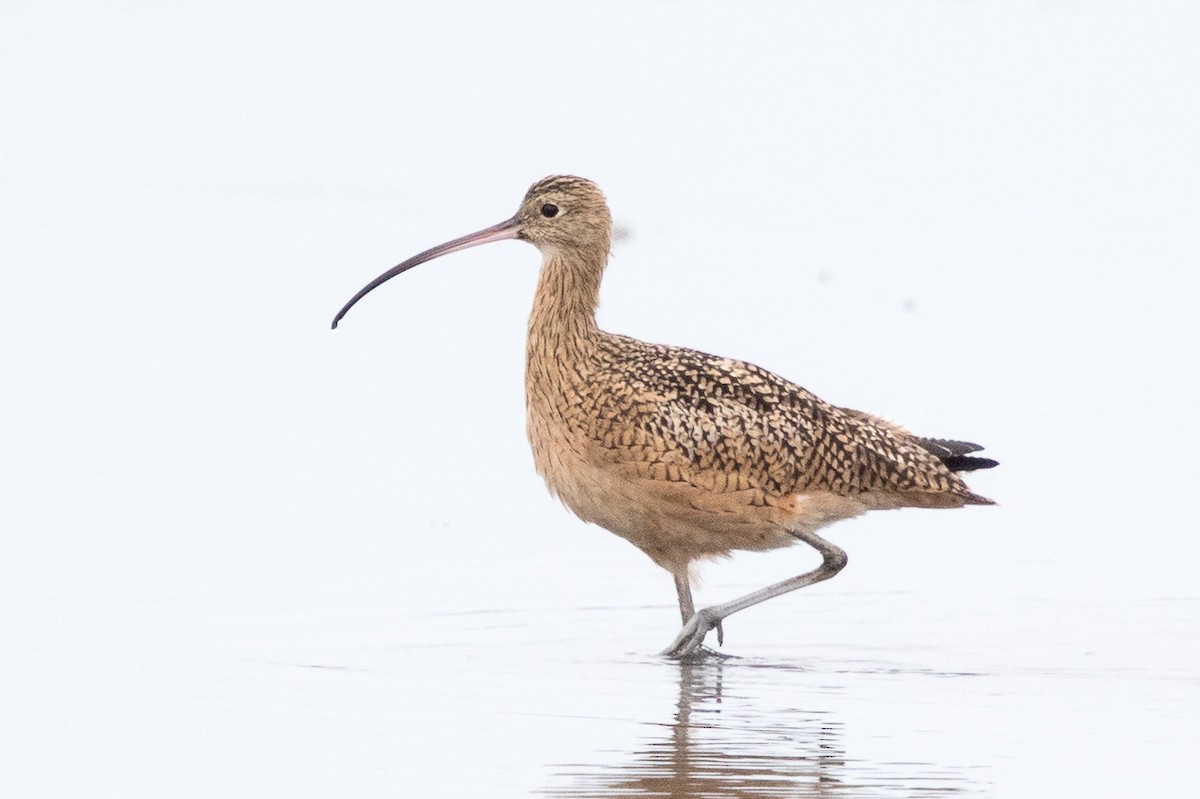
(674, 522)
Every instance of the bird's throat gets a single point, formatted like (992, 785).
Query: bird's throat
(562, 338)
(563, 320)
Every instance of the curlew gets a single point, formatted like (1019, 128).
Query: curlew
(686, 455)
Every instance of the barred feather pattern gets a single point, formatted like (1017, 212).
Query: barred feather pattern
(690, 455)
(684, 415)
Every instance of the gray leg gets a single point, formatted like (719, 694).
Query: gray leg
(694, 629)
(684, 589)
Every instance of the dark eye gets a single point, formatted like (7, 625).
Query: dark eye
(549, 210)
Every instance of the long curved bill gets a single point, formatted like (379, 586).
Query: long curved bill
(508, 229)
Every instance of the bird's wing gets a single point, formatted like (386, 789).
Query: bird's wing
(708, 419)
(954, 455)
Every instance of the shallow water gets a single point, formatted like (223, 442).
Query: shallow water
(532, 701)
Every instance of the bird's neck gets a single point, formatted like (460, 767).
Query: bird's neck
(562, 340)
(563, 320)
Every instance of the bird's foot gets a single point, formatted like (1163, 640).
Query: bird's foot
(691, 638)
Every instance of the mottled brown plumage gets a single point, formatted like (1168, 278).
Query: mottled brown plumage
(689, 455)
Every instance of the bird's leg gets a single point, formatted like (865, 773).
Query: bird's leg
(694, 629)
(683, 587)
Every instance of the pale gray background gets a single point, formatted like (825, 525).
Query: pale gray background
(979, 219)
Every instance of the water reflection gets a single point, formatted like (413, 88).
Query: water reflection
(720, 741)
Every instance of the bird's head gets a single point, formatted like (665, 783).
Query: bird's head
(560, 214)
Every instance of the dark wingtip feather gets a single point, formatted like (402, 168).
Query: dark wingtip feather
(944, 447)
(966, 463)
(954, 454)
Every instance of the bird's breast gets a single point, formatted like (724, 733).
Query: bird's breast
(647, 501)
